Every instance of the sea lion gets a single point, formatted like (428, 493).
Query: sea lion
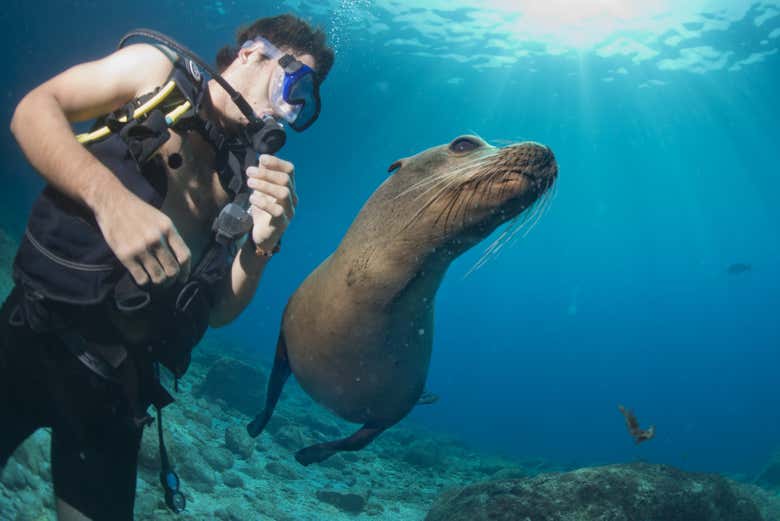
(358, 331)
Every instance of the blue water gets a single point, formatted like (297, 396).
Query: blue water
(620, 295)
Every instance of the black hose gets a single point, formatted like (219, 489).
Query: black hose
(239, 100)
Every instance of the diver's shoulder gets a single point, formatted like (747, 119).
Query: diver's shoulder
(152, 63)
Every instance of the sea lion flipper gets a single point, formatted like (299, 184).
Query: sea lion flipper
(322, 451)
(279, 375)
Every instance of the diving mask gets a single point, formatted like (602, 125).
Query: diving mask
(294, 90)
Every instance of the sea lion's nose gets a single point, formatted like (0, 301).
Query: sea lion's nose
(543, 163)
(552, 164)
(534, 160)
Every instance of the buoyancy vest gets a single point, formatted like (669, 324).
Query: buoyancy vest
(64, 263)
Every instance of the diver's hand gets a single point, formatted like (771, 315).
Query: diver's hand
(273, 199)
(143, 239)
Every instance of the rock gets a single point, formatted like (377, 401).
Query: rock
(218, 459)
(291, 437)
(14, 477)
(238, 441)
(149, 454)
(423, 454)
(400, 436)
(239, 385)
(335, 462)
(277, 469)
(637, 491)
(350, 457)
(277, 422)
(33, 454)
(510, 473)
(346, 502)
(195, 472)
(770, 475)
(767, 502)
(325, 427)
(233, 480)
(234, 512)
(345, 478)
(25, 515)
(149, 502)
(200, 416)
(490, 469)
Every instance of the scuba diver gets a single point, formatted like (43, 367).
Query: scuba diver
(153, 226)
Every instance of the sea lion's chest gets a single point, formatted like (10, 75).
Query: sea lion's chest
(355, 351)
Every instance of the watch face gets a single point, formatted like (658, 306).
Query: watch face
(179, 502)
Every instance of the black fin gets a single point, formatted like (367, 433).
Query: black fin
(322, 451)
(279, 375)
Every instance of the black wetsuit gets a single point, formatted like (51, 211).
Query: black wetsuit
(94, 440)
(61, 315)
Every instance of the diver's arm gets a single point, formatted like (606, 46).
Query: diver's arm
(141, 236)
(273, 203)
(237, 290)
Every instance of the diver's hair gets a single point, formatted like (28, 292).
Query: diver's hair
(287, 32)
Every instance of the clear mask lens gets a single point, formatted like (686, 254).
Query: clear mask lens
(276, 95)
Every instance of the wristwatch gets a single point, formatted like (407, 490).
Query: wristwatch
(261, 252)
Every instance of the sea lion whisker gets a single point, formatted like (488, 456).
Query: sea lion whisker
(538, 213)
(451, 207)
(431, 183)
(450, 211)
(475, 164)
(488, 253)
(514, 226)
(441, 213)
(492, 250)
(550, 194)
(465, 173)
(475, 192)
(466, 205)
(529, 221)
(445, 183)
(489, 181)
(501, 192)
(425, 207)
(449, 178)
(416, 215)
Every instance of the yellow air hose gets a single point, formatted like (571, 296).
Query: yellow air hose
(140, 111)
(174, 115)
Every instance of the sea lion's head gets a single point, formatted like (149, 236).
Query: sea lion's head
(454, 195)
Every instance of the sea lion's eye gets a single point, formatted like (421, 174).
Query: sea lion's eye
(464, 144)
(395, 166)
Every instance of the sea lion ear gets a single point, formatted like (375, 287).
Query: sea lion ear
(395, 166)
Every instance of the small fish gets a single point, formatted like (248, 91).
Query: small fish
(428, 398)
(632, 424)
(739, 268)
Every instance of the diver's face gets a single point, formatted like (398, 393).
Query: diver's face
(251, 74)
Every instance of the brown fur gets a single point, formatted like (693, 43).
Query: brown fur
(359, 330)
